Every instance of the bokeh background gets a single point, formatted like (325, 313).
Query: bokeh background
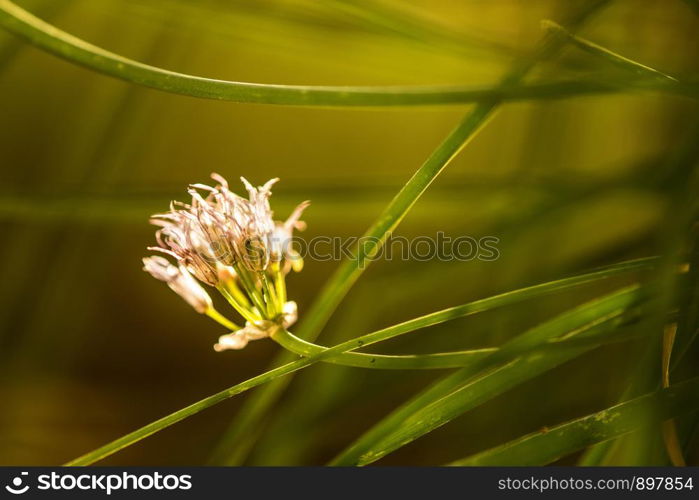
(91, 347)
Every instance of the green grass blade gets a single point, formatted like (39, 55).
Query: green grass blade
(399, 21)
(167, 421)
(365, 340)
(606, 54)
(470, 386)
(268, 376)
(544, 447)
(474, 392)
(349, 271)
(680, 166)
(459, 358)
(51, 39)
(441, 360)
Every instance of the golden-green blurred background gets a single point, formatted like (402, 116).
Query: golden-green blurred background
(91, 347)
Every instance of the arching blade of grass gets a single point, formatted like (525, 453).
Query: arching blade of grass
(160, 424)
(544, 447)
(680, 168)
(470, 386)
(286, 369)
(606, 54)
(349, 271)
(49, 38)
(398, 20)
(451, 359)
(364, 340)
(442, 360)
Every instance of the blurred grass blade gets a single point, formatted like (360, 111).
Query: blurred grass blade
(409, 26)
(606, 54)
(350, 270)
(669, 430)
(364, 340)
(683, 177)
(544, 447)
(470, 386)
(62, 44)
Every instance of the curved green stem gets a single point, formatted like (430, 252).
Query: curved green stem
(440, 360)
(454, 359)
(51, 39)
(269, 293)
(245, 312)
(160, 424)
(445, 399)
(221, 319)
(349, 271)
(276, 373)
(249, 281)
(231, 285)
(279, 282)
(350, 345)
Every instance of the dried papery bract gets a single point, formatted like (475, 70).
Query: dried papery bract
(257, 330)
(281, 247)
(233, 244)
(180, 281)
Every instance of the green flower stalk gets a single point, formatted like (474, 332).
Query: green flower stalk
(234, 245)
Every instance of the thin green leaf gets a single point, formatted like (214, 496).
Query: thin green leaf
(365, 340)
(606, 54)
(451, 359)
(350, 270)
(472, 385)
(440, 360)
(683, 182)
(397, 20)
(51, 39)
(546, 446)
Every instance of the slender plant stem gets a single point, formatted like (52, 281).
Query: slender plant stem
(167, 421)
(365, 340)
(221, 319)
(440, 360)
(441, 402)
(249, 280)
(482, 386)
(51, 39)
(349, 271)
(671, 439)
(544, 447)
(606, 54)
(245, 312)
(680, 216)
(231, 286)
(452, 359)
